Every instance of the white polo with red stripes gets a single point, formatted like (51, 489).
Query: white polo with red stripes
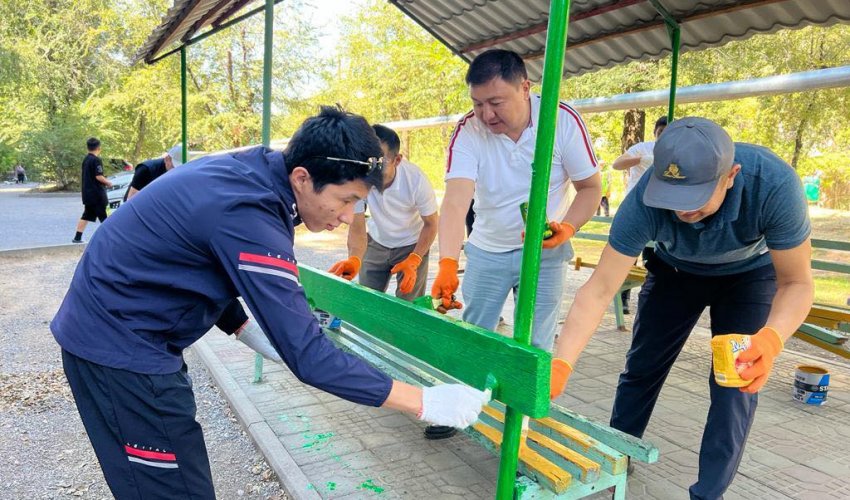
(501, 169)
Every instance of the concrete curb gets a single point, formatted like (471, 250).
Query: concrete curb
(49, 250)
(290, 475)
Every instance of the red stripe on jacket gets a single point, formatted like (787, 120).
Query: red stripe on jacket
(269, 261)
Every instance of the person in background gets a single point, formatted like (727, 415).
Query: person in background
(634, 163)
(605, 203)
(397, 237)
(20, 174)
(94, 185)
(149, 170)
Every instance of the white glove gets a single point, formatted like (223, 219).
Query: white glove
(646, 161)
(454, 405)
(252, 336)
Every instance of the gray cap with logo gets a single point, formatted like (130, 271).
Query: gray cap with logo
(689, 158)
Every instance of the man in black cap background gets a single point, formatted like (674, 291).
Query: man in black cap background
(732, 234)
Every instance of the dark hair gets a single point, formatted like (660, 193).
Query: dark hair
(496, 63)
(660, 123)
(338, 134)
(92, 143)
(388, 136)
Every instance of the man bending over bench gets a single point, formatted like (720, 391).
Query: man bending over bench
(732, 233)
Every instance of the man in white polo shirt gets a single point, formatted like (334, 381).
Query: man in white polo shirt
(489, 157)
(400, 231)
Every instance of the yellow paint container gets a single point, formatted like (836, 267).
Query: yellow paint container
(725, 349)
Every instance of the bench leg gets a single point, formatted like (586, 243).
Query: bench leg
(620, 489)
(618, 311)
(258, 368)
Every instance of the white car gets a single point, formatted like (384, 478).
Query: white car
(120, 184)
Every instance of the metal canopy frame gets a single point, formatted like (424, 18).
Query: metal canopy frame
(178, 18)
(556, 27)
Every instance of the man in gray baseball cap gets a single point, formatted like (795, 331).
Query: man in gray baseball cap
(732, 233)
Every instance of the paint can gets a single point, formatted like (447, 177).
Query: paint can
(811, 384)
(725, 350)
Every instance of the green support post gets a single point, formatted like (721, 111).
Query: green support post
(267, 72)
(184, 126)
(674, 33)
(553, 69)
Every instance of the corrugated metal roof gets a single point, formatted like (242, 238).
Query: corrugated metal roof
(184, 19)
(604, 33)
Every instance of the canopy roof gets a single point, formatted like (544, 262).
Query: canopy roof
(604, 33)
(184, 19)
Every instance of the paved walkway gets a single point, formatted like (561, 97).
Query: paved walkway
(346, 451)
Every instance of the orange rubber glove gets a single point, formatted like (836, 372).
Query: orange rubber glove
(561, 371)
(561, 233)
(756, 362)
(446, 284)
(408, 266)
(346, 269)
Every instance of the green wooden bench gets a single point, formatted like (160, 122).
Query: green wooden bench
(563, 455)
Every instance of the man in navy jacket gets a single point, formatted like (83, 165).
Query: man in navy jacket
(159, 273)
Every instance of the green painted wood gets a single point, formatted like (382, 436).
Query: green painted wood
(467, 352)
(527, 489)
(409, 369)
(258, 368)
(823, 334)
(831, 245)
(268, 47)
(636, 448)
(836, 267)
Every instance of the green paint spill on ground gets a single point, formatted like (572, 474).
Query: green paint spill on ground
(317, 439)
(331, 486)
(370, 485)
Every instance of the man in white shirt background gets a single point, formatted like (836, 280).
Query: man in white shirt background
(396, 238)
(489, 158)
(634, 163)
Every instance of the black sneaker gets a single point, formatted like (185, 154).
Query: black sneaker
(439, 432)
(626, 310)
(77, 241)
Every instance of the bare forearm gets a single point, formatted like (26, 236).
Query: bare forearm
(584, 206)
(132, 192)
(582, 320)
(357, 241)
(625, 162)
(790, 307)
(103, 180)
(426, 239)
(404, 397)
(451, 231)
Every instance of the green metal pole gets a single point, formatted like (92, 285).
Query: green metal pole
(184, 127)
(675, 35)
(553, 69)
(267, 72)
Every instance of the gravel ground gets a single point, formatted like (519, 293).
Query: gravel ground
(46, 451)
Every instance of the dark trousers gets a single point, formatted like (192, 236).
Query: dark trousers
(143, 431)
(669, 305)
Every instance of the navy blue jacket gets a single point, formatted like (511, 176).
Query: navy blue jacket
(158, 273)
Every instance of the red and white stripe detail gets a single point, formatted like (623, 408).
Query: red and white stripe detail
(584, 135)
(460, 125)
(159, 459)
(266, 264)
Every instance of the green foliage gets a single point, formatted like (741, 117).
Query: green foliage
(67, 72)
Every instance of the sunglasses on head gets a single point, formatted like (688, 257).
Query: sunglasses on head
(372, 164)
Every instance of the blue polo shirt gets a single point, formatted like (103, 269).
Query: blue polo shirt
(764, 210)
(162, 268)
